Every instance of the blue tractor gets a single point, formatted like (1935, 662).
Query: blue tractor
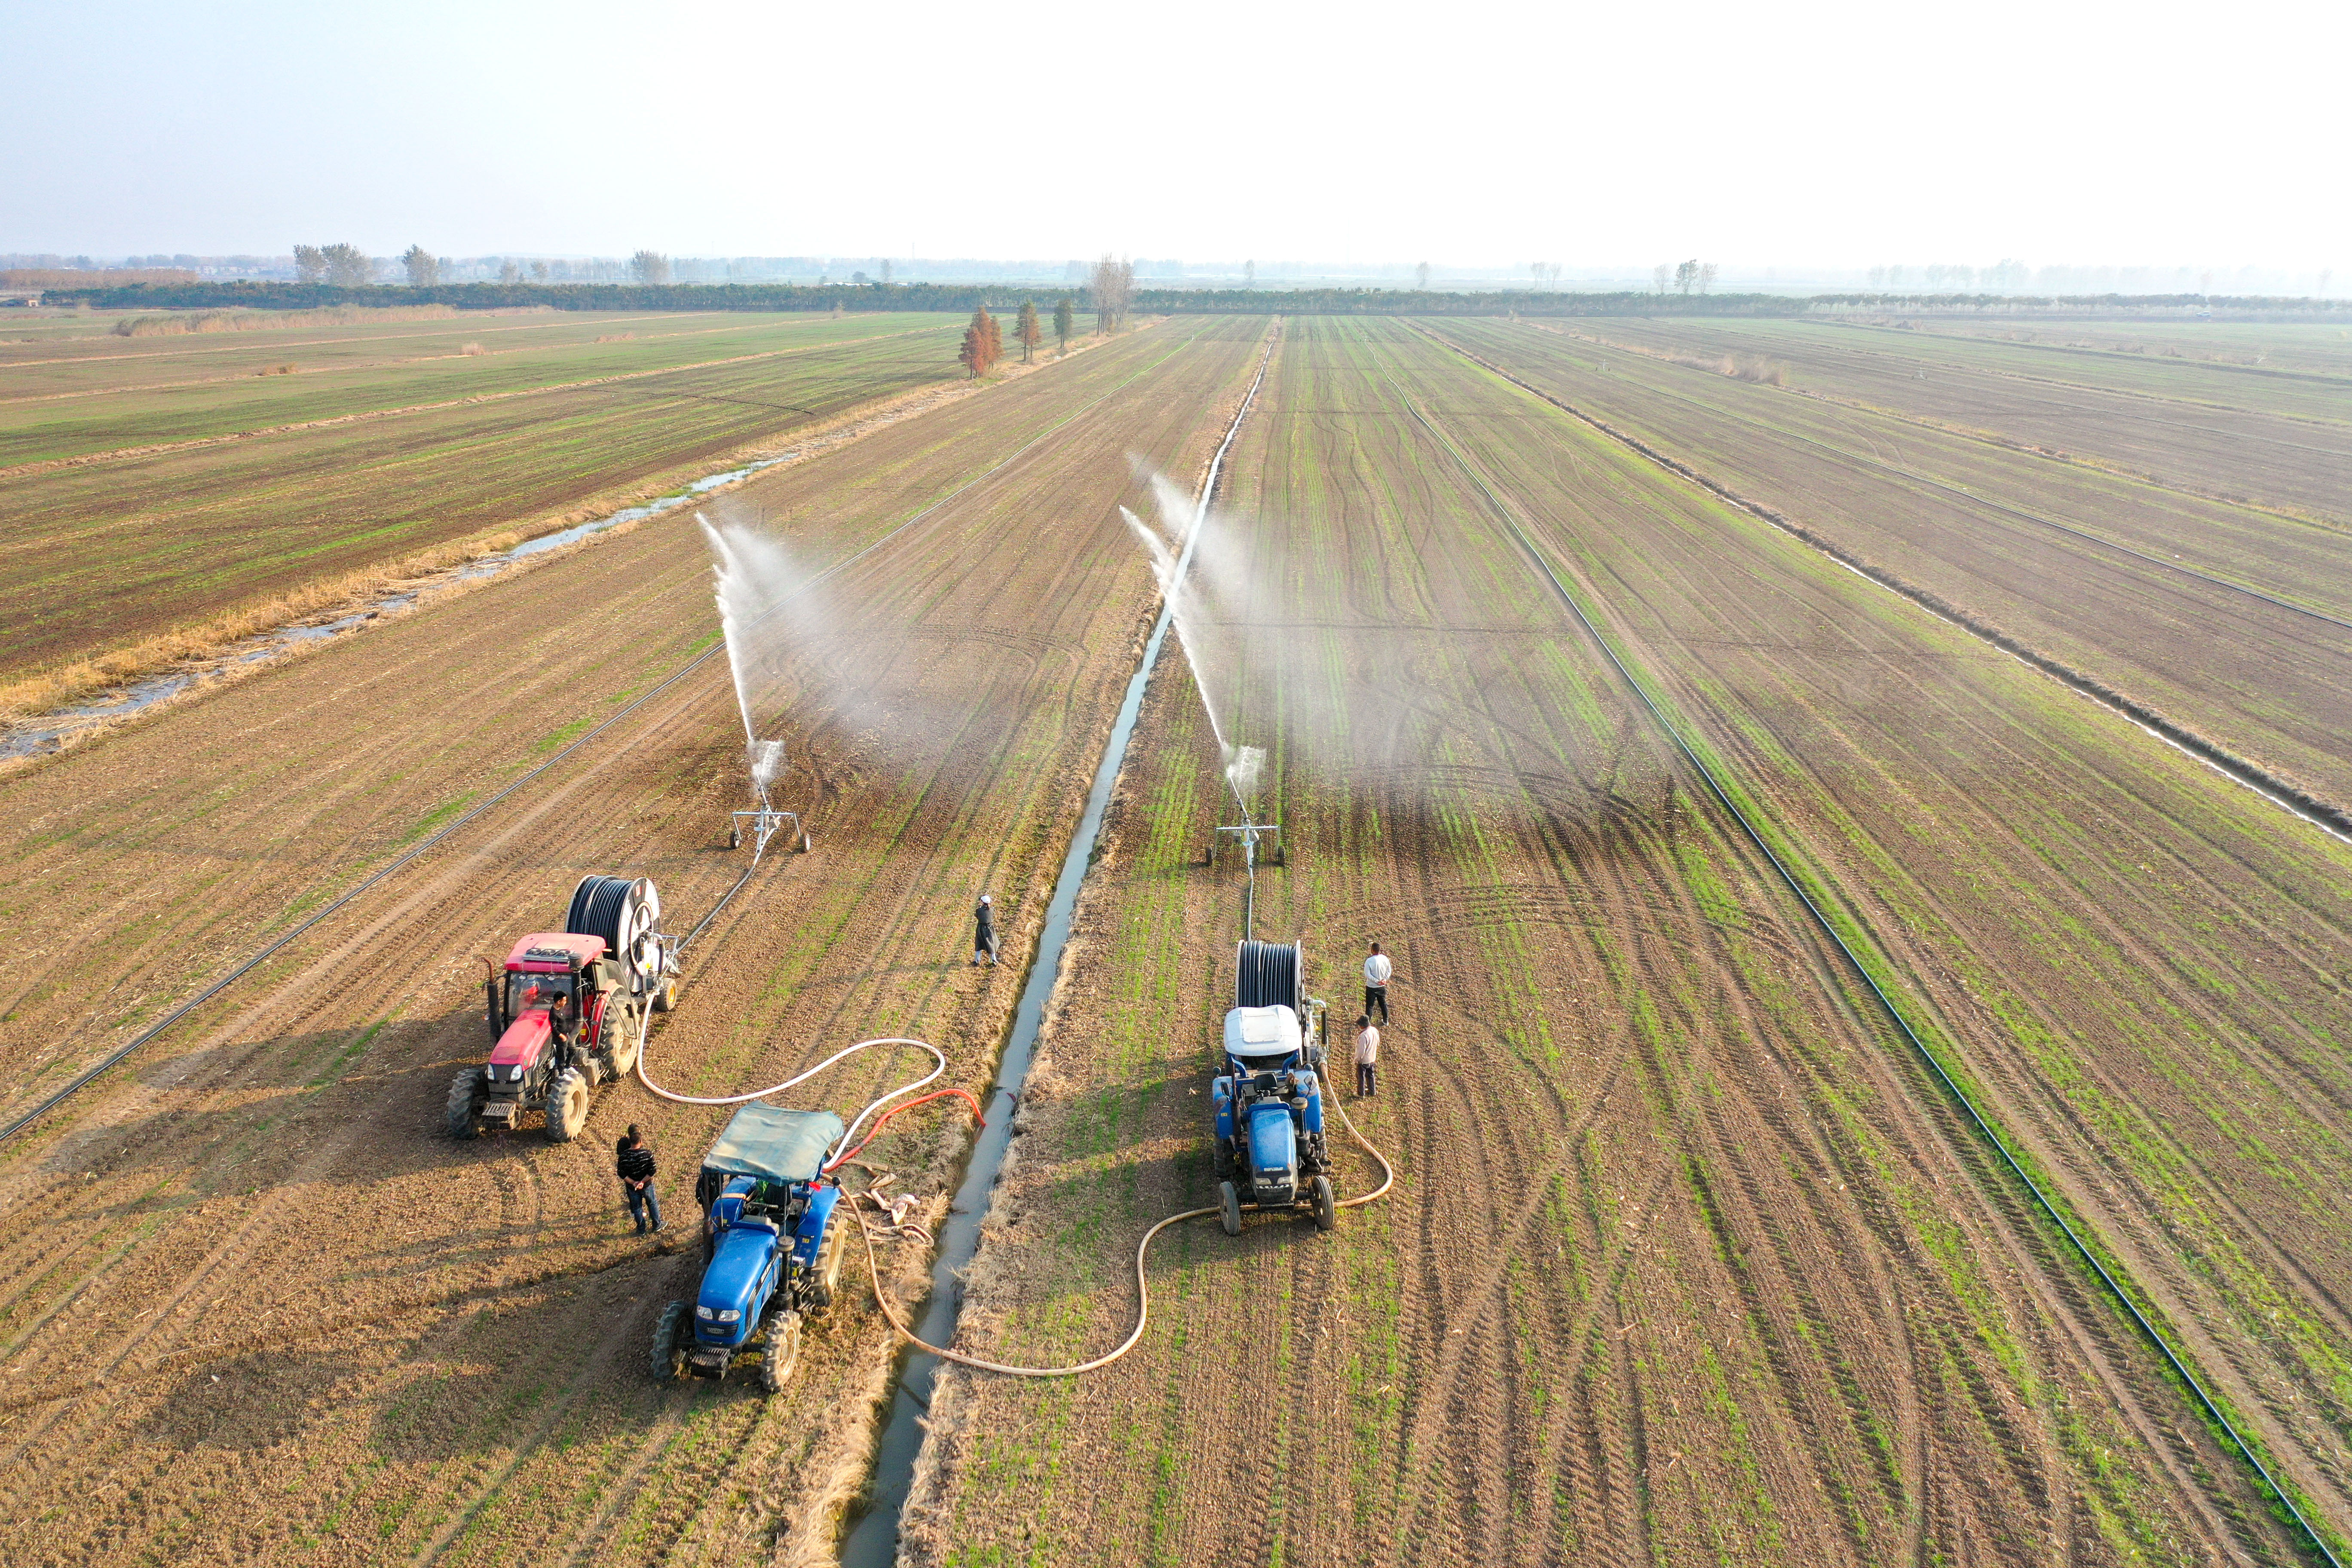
(773, 1234)
(1269, 1148)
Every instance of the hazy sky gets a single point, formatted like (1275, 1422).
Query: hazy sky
(1464, 133)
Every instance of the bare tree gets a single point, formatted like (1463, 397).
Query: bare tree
(1554, 270)
(1421, 277)
(309, 264)
(1113, 287)
(508, 272)
(1659, 274)
(348, 267)
(1705, 276)
(649, 267)
(1686, 276)
(886, 269)
(1249, 274)
(1537, 269)
(424, 271)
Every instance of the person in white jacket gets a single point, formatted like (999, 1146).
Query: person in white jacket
(1377, 971)
(1368, 1056)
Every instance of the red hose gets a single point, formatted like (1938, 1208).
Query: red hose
(876, 1132)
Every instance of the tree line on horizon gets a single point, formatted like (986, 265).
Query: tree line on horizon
(962, 299)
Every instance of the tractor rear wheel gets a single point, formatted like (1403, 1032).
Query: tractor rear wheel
(1327, 1204)
(827, 1286)
(1230, 1203)
(783, 1352)
(567, 1105)
(1220, 1157)
(468, 1091)
(671, 1330)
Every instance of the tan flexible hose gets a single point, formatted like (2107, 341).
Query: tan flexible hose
(1142, 1286)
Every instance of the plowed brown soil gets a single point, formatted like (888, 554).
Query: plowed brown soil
(1688, 1260)
(257, 1308)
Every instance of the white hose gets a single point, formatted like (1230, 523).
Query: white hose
(939, 1059)
(1142, 1286)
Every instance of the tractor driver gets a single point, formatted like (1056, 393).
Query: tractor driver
(560, 1016)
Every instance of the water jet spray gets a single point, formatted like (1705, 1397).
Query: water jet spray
(753, 580)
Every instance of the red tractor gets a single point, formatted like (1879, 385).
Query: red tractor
(569, 1011)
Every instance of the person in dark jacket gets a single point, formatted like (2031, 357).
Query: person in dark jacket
(633, 1163)
(983, 934)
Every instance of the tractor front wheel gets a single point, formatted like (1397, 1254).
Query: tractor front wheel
(1229, 1203)
(671, 1332)
(827, 1288)
(1327, 1204)
(783, 1352)
(567, 1105)
(469, 1092)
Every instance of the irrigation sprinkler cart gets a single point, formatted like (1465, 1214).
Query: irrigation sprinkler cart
(568, 1011)
(773, 1239)
(1249, 835)
(1269, 1148)
(765, 823)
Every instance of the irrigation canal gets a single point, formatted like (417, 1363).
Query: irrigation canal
(873, 1542)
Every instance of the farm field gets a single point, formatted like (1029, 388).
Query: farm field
(257, 1302)
(2314, 347)
(1688, 1259)
(2277, 438)
(1941, 513)
(250, 501)
(109, 393)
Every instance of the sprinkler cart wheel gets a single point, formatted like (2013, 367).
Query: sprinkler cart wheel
(735, 837)
(808, 843)
(666, 996)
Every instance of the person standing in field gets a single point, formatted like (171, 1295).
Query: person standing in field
(1377, 971)
(1368, 1056)
(983, 931)
(633, 1163)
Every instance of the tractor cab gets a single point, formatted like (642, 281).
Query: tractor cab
(772, 1248)
(547, 1012)
(1268, 1103)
